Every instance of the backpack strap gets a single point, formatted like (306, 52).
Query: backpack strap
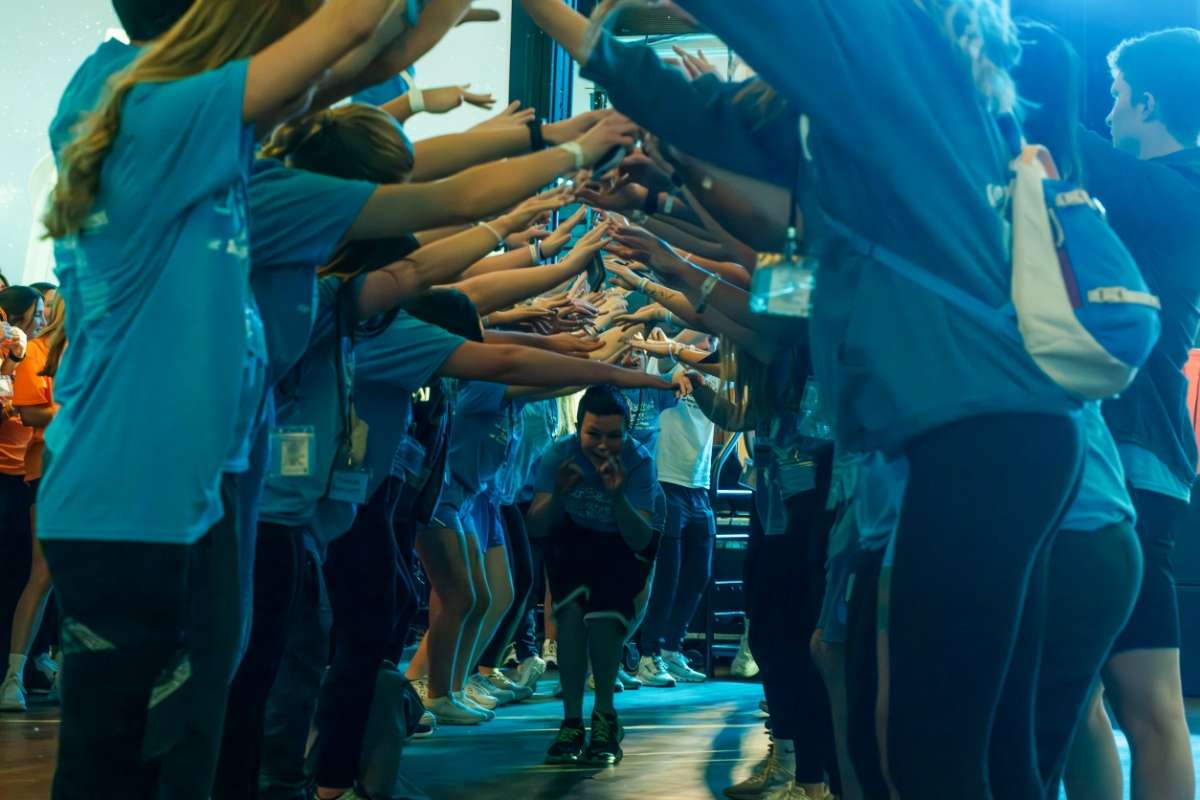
(999, 319)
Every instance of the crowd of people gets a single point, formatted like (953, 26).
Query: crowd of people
(343, 378)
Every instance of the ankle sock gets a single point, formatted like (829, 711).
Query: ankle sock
(16, 666)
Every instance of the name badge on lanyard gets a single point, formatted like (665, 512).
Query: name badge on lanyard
(292, 451)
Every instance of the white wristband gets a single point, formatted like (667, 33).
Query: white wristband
(706, 290)
(642, 284)
(494, 232)
(669, 204)
(533, 254)
(576, 152)
(416, 100)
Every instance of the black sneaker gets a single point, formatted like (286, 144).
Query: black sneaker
(569, 745)
(604, 745)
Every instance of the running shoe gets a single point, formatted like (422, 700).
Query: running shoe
(450, 712)
(569, 745)
(426, 727)
(501, 683)
(652, 671)
(767, 777)
(530, 672)
(463, 700)
(550, 653)
(604, 744)
(744, 665)
(509, 659)
(617, 685)
(680, 669)
(628, 681)
(12, 694)
(482, 684)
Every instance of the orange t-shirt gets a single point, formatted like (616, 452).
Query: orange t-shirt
(1192, 371)
(32, 389)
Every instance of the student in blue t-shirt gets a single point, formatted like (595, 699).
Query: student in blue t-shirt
(1148, 178)
(909, 374)
(596, 503)
(151, 198)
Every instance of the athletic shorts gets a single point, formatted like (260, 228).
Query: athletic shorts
(471, 513)
(598, 571)
(1154, 623)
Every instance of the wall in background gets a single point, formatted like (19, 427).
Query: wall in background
(46, 40)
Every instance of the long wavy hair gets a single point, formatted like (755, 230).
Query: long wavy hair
(761, 391)
(983, 33)
(212, 33)
(356, 142)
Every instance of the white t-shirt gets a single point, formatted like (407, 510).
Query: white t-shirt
(685, 443)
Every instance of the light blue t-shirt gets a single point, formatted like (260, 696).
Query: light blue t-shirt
(152, 386)
(485, 433)
(389, 367)
(539, 424)
(1103, 499)
(1148, 473)
(589, 504)
(308, 398)
(645, 406)
(297, 219)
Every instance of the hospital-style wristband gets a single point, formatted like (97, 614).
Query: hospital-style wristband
(494, 232)
(416, 100)
(576, 152)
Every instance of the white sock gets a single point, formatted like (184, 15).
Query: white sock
(16, 666)
(786, 750)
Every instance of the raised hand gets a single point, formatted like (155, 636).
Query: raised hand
(694, 65)
(624, 198)
(683, 385)
(448, 98)
(576, 126)
(615, 130)
(571, 345)
(531, 234)
(569, 476)
(511, 117)
(555, 241)
(480, 15)
(612, 476)
(524, 215)
(643, 316)
(648, 249)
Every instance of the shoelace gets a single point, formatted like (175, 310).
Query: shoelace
(567, 734)
(659, 664)
(601, 729)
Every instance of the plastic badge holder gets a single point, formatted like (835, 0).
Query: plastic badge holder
(785, 289)
(292, 451)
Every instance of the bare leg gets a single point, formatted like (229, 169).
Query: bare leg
(606, 640)
(1145, 689)
(468, 641)
(27, 617)
(573, 659)
(500, 585)
(1093, 765)
(551, 623)
(443, 553)
(831, 663)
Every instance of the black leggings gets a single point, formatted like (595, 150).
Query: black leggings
(408, 591)
(1154, 623)
(525, 637)
(279, 560)
(520, 563)
(984, 496)
(785, 595)
(360, 576)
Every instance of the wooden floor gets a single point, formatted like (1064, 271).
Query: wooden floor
(682, 743)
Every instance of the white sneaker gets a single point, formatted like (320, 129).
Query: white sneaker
(653, 672)
(12, 694)
(618, 687)
(550, 653)
(680, 669)
(486, 687)
(627, 681)
(450, 712)
(530, 672)
(51, 671)
(744, 665)
(470, 697)
(501, 683)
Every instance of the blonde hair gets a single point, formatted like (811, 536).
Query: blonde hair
(983, 32)
(55, 334)
(356, 142)
(212, 33)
